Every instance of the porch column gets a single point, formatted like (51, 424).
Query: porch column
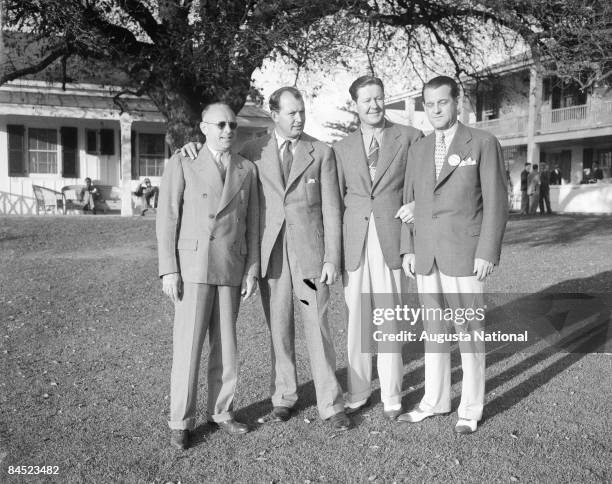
(126, 165)
(409, 103)
(533, 123)
(465, 107)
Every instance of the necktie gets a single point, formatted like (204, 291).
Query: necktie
(373, 157)
(287, 161)
(440, 153)
(220, 165)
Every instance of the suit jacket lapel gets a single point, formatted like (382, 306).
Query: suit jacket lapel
(460, 146)
(206, 166)
(302, 158)
(388, 150)
(269, 164)
(429, 168)
(358, 157)
(233, 181)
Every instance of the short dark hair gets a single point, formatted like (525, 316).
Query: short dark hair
(216, 103)
(535, 166)
(527, 163)
(274, 100)
(88, 179)
(364, 81)
(440, 81)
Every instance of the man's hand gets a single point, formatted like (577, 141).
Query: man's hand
(249, 286)
(191, 149)
(408, 265)
(328, 274)
(172, 286)
(482, 268)
(406, 213)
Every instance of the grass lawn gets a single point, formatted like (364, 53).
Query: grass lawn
(85, 352)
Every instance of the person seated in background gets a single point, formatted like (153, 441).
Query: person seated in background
(147, 192)
(597, 173)
(587, 176)
(89, 196)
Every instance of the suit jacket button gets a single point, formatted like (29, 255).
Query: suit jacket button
(204, 195)
(434, 216)
(212, 237)
(371, 197)
(365, 218)
(211, 216)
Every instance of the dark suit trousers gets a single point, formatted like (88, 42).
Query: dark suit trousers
(524, 202)
(545, 200)
(277, 288)
(203, 308)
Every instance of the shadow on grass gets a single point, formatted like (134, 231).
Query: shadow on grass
(580, 339)
(556, 229)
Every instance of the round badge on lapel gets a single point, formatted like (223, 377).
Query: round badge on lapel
(454, 160)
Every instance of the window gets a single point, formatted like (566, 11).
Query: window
(100, 142)
(42, 150)
(151, 154)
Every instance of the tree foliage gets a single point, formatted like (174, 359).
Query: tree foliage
(185, 54)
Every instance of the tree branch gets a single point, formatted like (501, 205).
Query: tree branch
(33, 69)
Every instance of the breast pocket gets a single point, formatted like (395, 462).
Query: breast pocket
(313, 193)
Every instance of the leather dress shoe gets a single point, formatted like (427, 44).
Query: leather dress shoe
(349, 410)
(466, 426)
(233, 427)
(341, 421)
(278, 414)
(392, 414)
(179, 439)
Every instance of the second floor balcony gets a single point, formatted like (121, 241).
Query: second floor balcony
(574, 118)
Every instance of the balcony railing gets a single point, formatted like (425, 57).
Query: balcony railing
(505, 127)
(577, 117)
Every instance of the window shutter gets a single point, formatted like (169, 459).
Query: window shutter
(107, 141)
(134, 159)
(70, 152)
(16, 150)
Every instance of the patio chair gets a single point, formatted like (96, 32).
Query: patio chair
(48, 200)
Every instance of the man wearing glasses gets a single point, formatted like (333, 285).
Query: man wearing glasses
(208, 239)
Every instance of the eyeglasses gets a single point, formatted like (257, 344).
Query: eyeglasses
(221, 124)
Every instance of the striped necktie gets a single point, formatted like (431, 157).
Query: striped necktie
(373, 156)
(440, 153)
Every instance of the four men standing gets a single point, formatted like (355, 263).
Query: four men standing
(291, 187)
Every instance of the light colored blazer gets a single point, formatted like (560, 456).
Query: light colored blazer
(309, 204)
(206, 230)
(382, 196)
(463, 215)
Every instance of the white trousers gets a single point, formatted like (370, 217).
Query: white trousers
(372, 277)
(462, 292)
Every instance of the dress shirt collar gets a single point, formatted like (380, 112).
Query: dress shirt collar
(368, 132)
(449, 134)
(222, 156)
(280, 141)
